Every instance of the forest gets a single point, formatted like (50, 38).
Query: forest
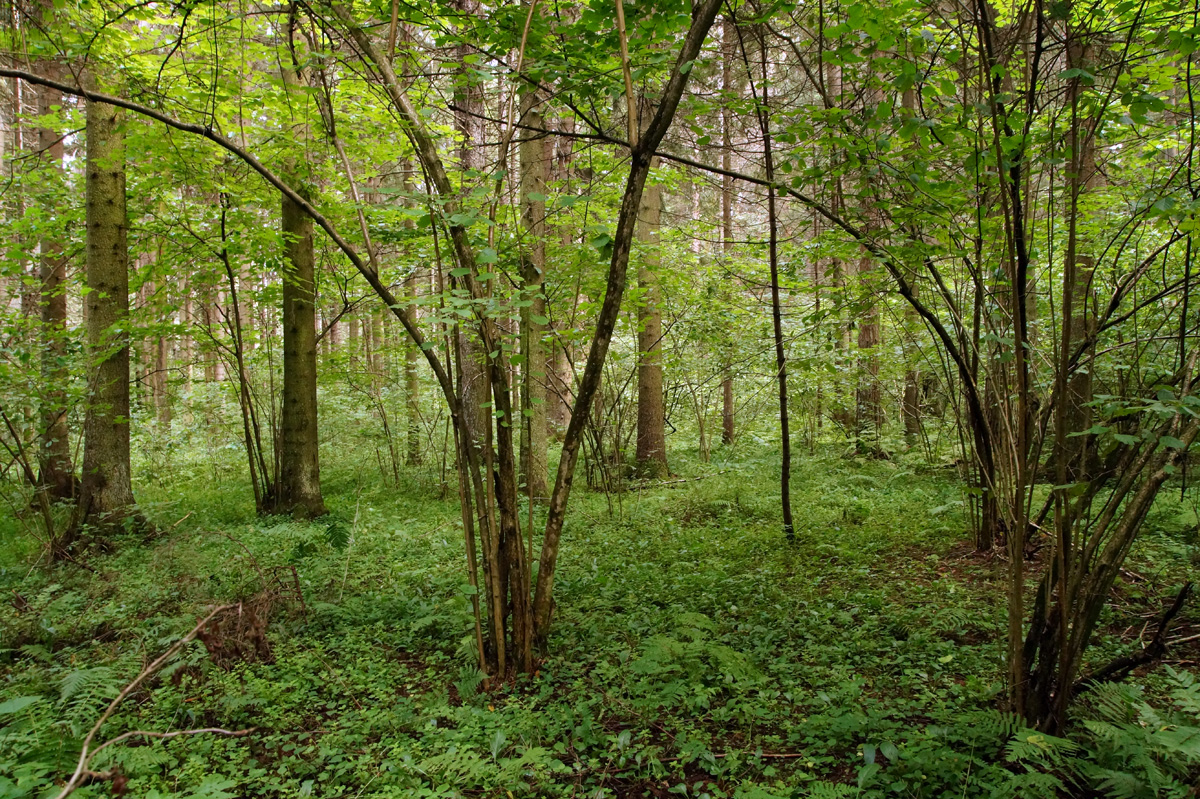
(757, 399)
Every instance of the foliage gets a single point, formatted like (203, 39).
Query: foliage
(692, 650)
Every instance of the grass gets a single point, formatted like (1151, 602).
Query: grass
(693, 653)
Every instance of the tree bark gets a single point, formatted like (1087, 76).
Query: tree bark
(911, 405)
(651, 413)
(468, 101)
(785, 472)
(535, 160)
(298, 450)
(868, 396)
(107, 487)
(727, 55)
(300, 471)
(1079, 265)
(57, 473)
(412, 383)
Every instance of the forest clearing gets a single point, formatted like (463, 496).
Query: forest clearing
(450, 398)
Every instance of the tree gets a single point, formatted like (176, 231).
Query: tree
(651, 411)
(300, 474)
(536, 152)
(299, 445)
(106, 495)
(57, 472)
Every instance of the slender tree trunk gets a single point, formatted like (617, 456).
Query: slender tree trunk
(728, 35)
(412, 383)
(412, 395)
(187, 347)
(57, 471)
(785, 472)
(536, 153)
(107, 488)
(1083, 177)
(868, 396)
(703, 14)
(162, 402)
(651, 413)
(911, 409)
(561, 373)
(764, 123)
(468, 98)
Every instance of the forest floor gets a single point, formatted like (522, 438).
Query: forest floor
(693, 653)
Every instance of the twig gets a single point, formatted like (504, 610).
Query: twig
(664, 483)
(162, 735)
(1121, 667)
(86, 753)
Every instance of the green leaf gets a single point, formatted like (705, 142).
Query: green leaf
(337, 536)
(17, 704)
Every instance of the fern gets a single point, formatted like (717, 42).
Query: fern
(468, 682)
(1135, 750)
(82, 685)
(831, 790)
(337, 536)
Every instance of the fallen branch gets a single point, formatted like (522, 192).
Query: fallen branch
(83, 772)
(1120, 668)
(666, 483)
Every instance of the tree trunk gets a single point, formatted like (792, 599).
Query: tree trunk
(468, 98)
(868, 396)
(561, 373)
(911, 409)
(785, 472)
(1083, 177)
(300, 472)
(728, 54)
(107, 488)
(764, 124)
(651, 413)
(536, 153)
(57, 473)
(412, 383)
(412, 395)
(298, 450)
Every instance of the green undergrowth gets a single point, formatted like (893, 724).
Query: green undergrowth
(693, 653)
